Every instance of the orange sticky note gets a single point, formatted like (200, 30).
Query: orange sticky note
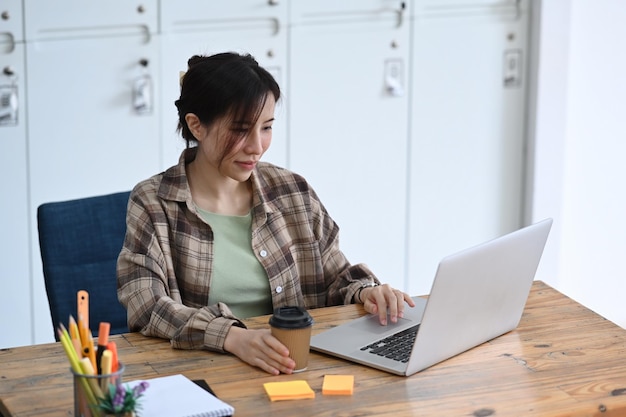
(289, 390)
(338, 385)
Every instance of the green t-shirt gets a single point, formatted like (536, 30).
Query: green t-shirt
(239, 279)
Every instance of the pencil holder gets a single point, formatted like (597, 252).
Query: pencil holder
(90, 389)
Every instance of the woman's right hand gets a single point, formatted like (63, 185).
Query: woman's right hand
(259, 348)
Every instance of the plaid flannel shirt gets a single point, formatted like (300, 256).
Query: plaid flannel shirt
(164, 268)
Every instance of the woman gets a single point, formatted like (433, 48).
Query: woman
(222, 236)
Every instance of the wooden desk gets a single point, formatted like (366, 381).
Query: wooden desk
(562, 360)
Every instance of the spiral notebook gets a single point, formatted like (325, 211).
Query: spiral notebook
(178, 396)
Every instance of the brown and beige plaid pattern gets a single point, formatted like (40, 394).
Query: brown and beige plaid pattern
(164, 268)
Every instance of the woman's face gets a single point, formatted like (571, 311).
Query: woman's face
(257, 137)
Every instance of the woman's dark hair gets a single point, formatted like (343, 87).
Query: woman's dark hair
(225, 84)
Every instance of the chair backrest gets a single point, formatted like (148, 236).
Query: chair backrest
(80, 241)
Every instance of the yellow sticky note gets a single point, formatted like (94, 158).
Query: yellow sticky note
(289, 390)
(338, 385)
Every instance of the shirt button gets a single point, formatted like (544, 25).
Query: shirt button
(279, 289)
(263, 253)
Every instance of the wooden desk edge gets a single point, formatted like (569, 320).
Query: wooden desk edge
(164, 362)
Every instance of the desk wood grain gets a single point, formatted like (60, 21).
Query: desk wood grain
(562, 360)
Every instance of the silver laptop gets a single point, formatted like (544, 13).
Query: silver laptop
(477, 295)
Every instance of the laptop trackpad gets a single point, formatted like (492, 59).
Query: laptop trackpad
(371, 324)
(412, 316)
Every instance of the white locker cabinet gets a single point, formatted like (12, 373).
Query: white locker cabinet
(15, 306)
(468, 108)
(407, 117)
(92, 105)
(198, 27)
(348, 121)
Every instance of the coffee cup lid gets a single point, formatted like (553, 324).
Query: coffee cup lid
(291, 317)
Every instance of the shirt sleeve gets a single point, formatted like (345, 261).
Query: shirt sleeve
(347, 278)
(342, 278)
(148, 288)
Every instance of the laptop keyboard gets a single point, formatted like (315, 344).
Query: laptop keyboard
(397, 347)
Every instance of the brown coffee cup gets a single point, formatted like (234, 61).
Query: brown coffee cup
(292, 326)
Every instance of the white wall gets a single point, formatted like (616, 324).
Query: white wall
(580, 138)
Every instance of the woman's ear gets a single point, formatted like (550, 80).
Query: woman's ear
(197, 129)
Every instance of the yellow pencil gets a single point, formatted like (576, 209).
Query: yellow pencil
(63, 334)
(74, 333)
(74, 336)
(90, 352)
(86, 339)
(75, 364)
(82, 331)
(85, 364)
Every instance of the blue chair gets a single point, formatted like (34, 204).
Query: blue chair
(80, 241)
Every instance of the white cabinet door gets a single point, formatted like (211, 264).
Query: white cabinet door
(15, 306)
(93, 123)
(468, 114)
(348, 115)
(198, 27)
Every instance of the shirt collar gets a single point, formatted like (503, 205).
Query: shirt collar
(175, 187)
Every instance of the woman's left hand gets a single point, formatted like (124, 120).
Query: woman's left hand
(385, 301)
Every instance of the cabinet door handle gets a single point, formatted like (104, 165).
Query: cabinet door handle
(400, 13)
(8, 105)
(142, 90)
